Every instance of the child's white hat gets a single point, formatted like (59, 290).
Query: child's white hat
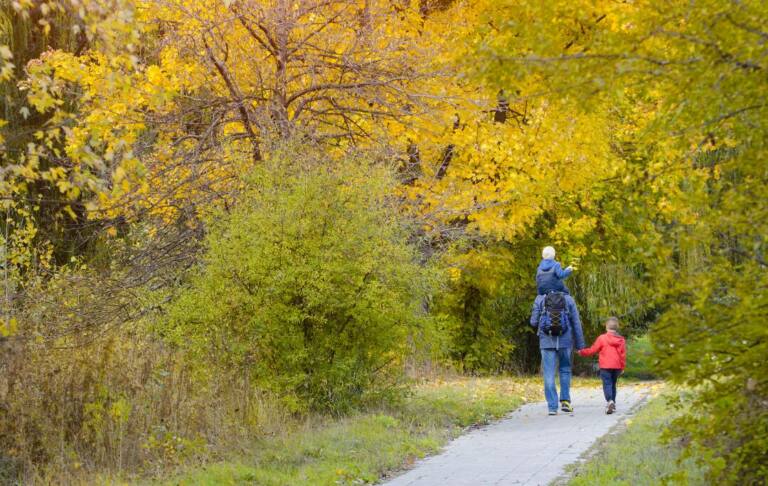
(548, 253)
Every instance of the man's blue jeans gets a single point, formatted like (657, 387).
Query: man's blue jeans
(562, 359)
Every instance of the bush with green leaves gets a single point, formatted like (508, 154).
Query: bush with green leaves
(484, 310)
(308, 287)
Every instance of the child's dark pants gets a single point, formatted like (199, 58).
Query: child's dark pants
(609, 377)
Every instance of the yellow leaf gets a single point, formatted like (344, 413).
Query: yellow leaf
(9, 327)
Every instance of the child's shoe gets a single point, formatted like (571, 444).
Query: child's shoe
(553, 412)
(566, 406)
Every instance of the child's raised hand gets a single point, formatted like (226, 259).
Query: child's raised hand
(574, 264)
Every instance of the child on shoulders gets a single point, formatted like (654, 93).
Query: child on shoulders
(550, 274)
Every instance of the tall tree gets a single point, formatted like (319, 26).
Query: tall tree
(698, 70)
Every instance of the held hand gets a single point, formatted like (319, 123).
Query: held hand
(571, 268)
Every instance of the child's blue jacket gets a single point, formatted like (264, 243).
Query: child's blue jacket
(547, 265)
(549, 277)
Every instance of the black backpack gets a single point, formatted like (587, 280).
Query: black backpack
(554, 319)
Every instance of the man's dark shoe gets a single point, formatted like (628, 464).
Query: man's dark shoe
(611, 407)
(565, 406)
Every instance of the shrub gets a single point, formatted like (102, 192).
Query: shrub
(308, 287)
(640, 358)
(85, 386)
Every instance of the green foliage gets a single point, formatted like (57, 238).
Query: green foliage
(486, 306)
(308, 286)
(640, 360)
(611, 289)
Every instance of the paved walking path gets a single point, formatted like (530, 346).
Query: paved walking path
(528, 447)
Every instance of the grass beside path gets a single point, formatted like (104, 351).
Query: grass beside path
(636, 454)
(362, 448)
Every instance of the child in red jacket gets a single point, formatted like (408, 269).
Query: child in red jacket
(612, 359)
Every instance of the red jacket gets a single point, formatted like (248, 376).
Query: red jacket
(612, 349)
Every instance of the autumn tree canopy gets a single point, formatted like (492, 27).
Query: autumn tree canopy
(157, 160)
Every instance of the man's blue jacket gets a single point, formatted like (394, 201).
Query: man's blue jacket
(574, 331)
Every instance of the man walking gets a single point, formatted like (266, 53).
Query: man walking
(556, 319)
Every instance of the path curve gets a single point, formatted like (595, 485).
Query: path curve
(528, 447)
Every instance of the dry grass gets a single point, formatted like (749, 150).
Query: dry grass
(126, 405)
(128, 409)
